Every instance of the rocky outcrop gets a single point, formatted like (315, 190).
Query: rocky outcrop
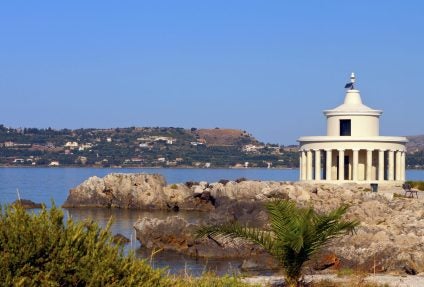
(119, 190)
(389, 238)
(175, 233)
(139, 191)
(27, 204)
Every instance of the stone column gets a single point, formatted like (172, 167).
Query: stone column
(380, 164)
(355, 165)
(303, 165)
(397, 165)
(369, 164)
(403, 165)
(341, 164)
(309, 165)
(328, 164)
(317, 164)
(391, 165)
(300, 165)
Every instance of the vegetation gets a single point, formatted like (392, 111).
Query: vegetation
(416, 184)
(415, 160)
(295, 235)
(135, 147)
(41, 250)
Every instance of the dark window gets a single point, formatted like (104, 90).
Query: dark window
(345, 127)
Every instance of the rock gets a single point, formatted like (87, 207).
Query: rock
(27, 204)
(327, 261)
(139, 191)
(198, 189)
(203, 184)
(120, 239)
(198, 201)
(175, 233)
(259, 263)
(409, 270)
(390, 236)
(176, 193)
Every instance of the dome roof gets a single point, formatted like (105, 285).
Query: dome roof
(353, 106)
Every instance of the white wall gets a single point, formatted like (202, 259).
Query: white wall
(361, 125)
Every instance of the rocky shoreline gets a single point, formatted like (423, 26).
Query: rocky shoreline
(389, 239)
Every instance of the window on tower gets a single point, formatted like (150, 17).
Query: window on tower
(344, 127)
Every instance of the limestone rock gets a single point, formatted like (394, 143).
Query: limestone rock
(120, 190)
(175, 233)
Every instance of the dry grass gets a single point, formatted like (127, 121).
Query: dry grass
(221, 137)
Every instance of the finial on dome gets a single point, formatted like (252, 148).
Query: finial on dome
(352, 81)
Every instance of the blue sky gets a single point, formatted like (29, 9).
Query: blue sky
(268, 67)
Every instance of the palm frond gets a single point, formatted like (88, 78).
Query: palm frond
(295, 235)
(236, 230)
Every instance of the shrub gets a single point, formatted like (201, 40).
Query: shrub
(41, 250)
(174, 186)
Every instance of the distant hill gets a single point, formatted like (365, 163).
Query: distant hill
(139, 147)
(225, 137)
(415, 152)
(415, 144)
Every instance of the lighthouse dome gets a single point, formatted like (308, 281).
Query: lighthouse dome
(353, 118)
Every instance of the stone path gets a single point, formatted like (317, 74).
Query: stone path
(390, 280)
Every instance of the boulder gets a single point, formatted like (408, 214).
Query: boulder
(27, 204)
(175, 233)
(120, 239)
(138, 191)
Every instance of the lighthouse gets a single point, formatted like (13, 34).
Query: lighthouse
(352, 150)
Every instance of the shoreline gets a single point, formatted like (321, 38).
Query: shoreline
(152, 167)
(378, 278)
(163, 167)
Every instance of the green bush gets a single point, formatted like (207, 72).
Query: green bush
(41, 250)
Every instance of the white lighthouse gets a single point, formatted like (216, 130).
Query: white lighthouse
(352, 150)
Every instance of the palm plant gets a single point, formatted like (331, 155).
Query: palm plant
(295, 234)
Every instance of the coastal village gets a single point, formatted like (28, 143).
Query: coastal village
(155, 147)
(141, 147)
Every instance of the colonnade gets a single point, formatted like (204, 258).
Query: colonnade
(352, 165)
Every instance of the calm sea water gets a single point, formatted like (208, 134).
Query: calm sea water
(52, 184)
(46, 184)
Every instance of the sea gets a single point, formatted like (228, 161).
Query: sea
(51, 186)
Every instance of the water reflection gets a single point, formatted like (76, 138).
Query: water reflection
(176, 263)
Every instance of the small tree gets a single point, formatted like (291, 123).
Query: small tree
(295, 234)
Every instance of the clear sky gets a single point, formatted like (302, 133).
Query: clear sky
(268, 67)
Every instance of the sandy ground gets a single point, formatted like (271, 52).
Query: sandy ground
(390, 280)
